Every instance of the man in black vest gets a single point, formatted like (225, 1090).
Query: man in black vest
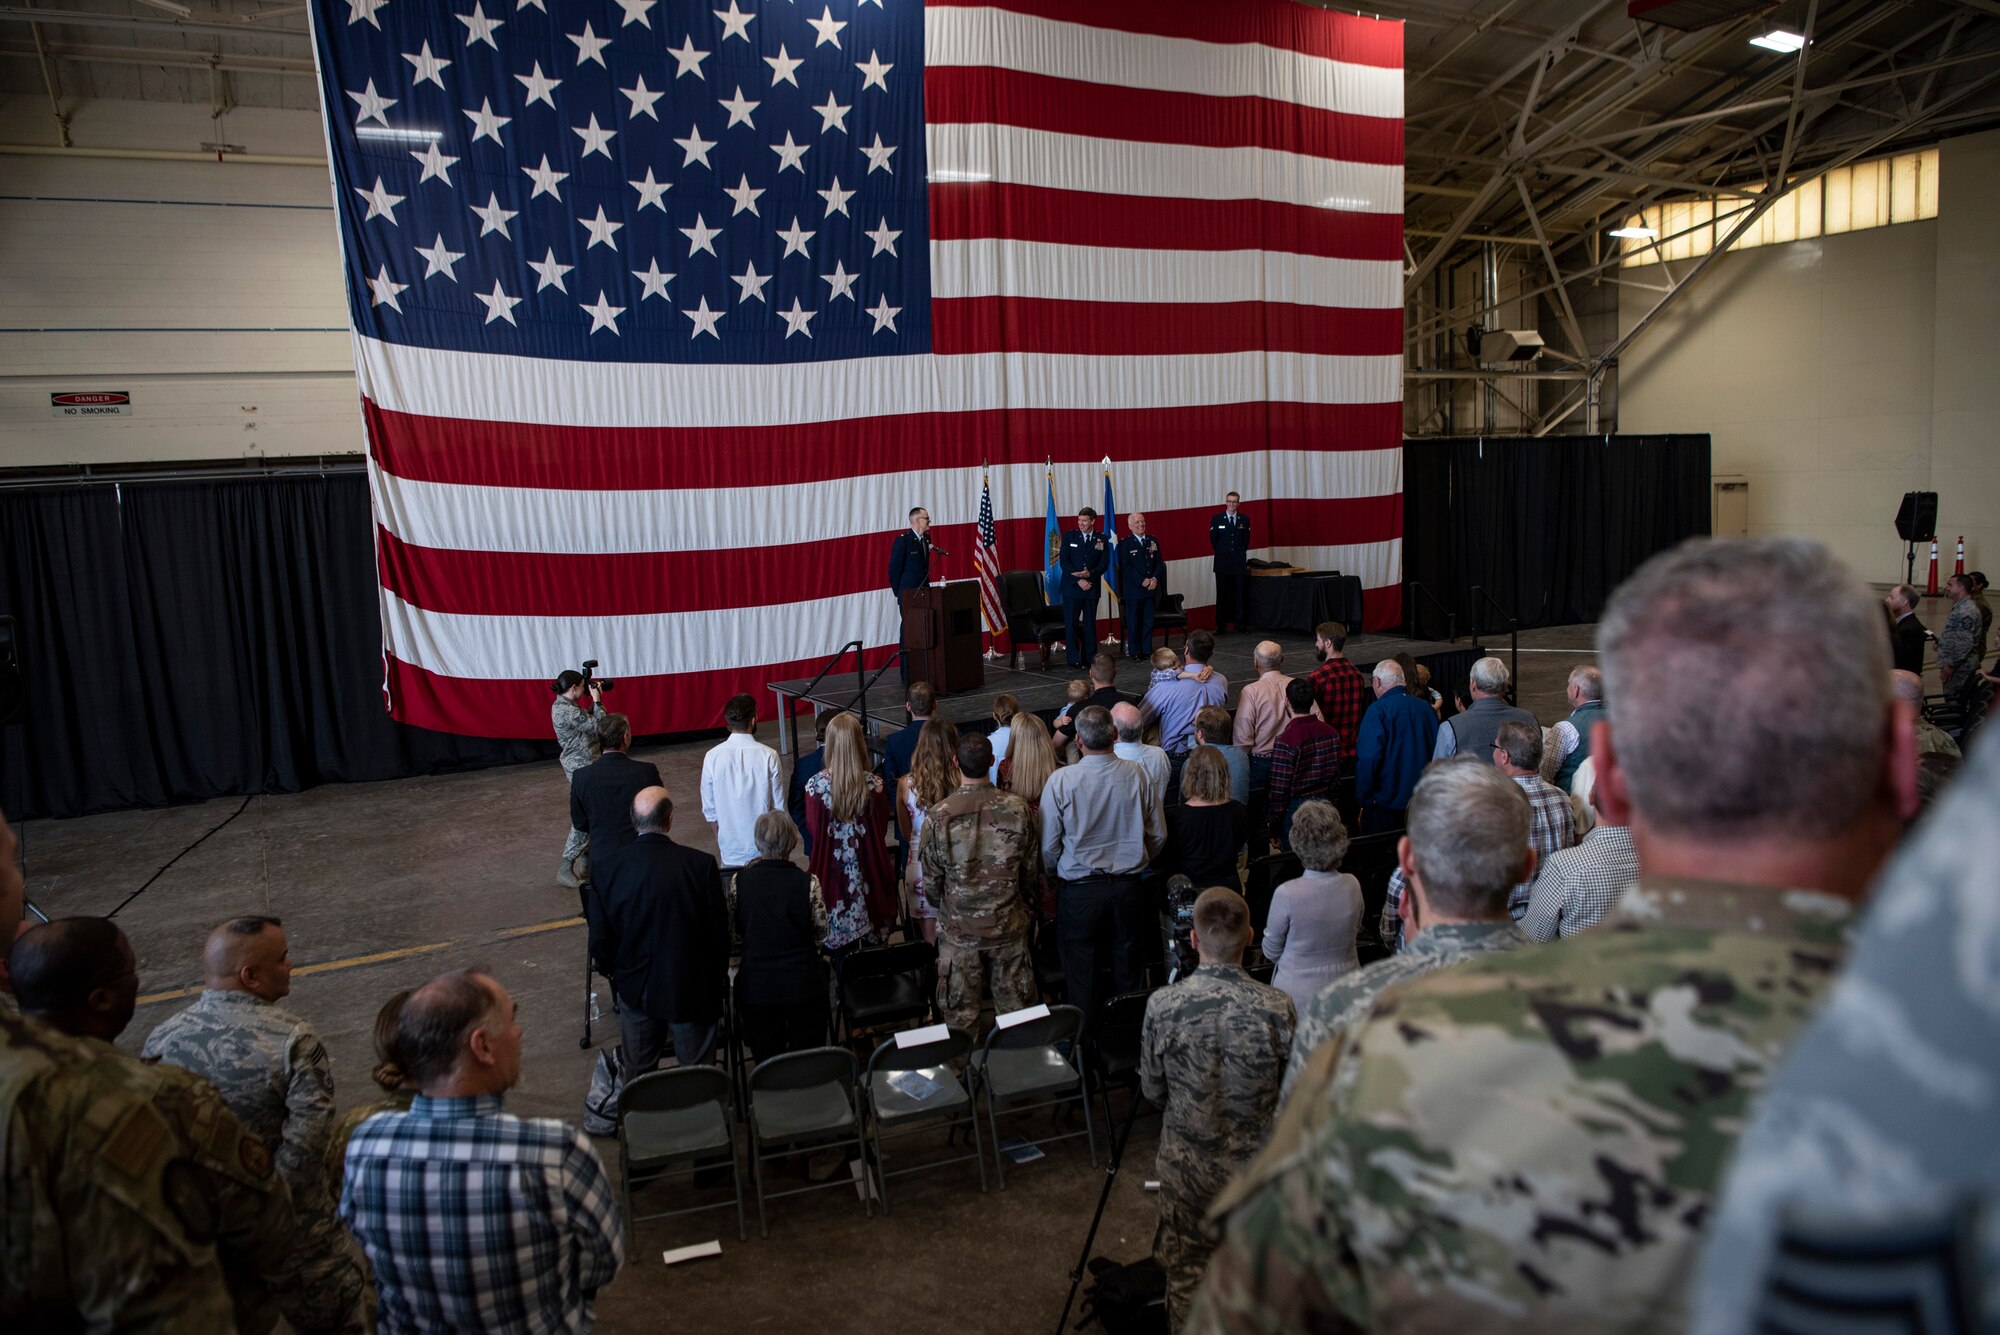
(1471, 732)
(910, 568)
(1229, 535)
(600, 796)
(661, 934)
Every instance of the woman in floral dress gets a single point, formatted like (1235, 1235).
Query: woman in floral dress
(847, 811)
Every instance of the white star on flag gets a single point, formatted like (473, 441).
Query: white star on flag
(833, 116)
(371, 105)
(701, 236)
(828, 28)
(751, 283)
(885, 315)
(600, 229)
(735, 23)
(381, 204)
(479, 28)
(652, 193)
(499, 306)
(796, 320)
(783, 67)
(439, 260)
(841, 281)
(696, 148)
(486, 125)
(589, 46)
(358, 10)
(878, 157)
(704, 321)
(546, 178)
(429, 68)
(745, 197)
(493, 218)
(836, 199)
(655, 281)
(883, 237)
(382, 291)
(603, 315)
(740, 108)
(789, 154)
(596, 139)
(643, 99)
(436, 165)
(876, 73)
(635, 12)
(795, 240)
(539, 87)
(688, 58)
(550, 272)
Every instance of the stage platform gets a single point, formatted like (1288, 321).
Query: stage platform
(1045, 692)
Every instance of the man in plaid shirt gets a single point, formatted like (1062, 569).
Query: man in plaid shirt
(472, 1219)
(1304, 761)
(1338, 687)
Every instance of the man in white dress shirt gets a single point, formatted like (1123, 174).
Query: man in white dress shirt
(739, 783)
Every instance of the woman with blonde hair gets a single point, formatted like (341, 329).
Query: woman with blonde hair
(932, 778)
(1004, 710)
(847, 813)
(1031, 758)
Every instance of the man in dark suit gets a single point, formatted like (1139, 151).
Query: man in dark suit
(1085, 556)
(600, 796)
(1229, 535)
(661, 934)
(910, 568)
(1906, 633)
(1141, 569)
(900, 747)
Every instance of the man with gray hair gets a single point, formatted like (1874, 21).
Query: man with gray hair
(1465, 848)
(1261, 712)
(1395, 741)
(1131, 745)
(1586, 706)
(1571, 1106)
(1471, 732)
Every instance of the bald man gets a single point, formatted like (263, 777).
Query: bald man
(1262, 711)
(274, 1073)
(1142, 573)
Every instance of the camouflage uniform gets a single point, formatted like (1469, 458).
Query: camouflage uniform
(1348, 1000)
(1878, 1131)
(576, 733)
(981, 853)
(273, 1071)
(1211, 1053)
(1528, 1142)
(131, 1198)
(1960, 648)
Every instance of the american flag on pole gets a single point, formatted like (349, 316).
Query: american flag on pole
(666, 313)
(986, 560)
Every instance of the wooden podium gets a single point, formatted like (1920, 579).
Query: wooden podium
(941, 629)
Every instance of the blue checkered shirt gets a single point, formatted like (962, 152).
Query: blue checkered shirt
(475, 1220)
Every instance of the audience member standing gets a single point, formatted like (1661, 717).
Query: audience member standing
(1517, 753)
(920, 702)
(1470, 732)
(180, 1222)
(1586, 708)
(803, 768)
(1174, 700)
(1338, 687)
(847, 815)
(1212, 1053)
(1959, 646)
(601, 793)
(1305, 760)
(1004, 710)
(1101, 829)
(1316, 917)
(1031, 759)
(1639, 1048)
(1398, 734)
(1229, 539)
(390, 1078)
(739, 783)
(1212, 727)
(1261, 711)
(1104, 683)
(661, 935)
(1906, 634)
(781, 996)
(474, 1219)
(1576, 887)
(274, 1073)
(576, 727)
(982, 858)
(1131, 745)
(932, 778)
(1207, 830)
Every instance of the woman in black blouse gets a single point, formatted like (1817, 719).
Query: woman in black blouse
(1206, 831)
(781, 993)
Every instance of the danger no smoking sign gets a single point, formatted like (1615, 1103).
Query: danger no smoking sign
(94, 403)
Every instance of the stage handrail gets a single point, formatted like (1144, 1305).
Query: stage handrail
(862, 681)
(1450, 617)
(1479, 596)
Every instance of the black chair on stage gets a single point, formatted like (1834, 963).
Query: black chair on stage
(1030, 617)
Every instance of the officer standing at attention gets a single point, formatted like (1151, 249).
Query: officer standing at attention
(1229, 535)
(910, 568)
(1084, 557)
(1140, 570)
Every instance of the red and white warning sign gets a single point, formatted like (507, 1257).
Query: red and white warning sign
(91, 403)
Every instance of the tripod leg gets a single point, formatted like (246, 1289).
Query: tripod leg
(1103, 1199)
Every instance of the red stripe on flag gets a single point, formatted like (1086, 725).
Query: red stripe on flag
(984, 95)
(1290, 27)
(480, 583)
(961, 325)
(973, 211)
(565, 458)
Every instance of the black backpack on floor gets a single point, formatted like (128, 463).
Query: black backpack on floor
(1126, 1299)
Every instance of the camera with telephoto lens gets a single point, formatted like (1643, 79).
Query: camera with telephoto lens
(590, 678)
(1179, 927)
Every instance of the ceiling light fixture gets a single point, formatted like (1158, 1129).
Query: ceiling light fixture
(1782, 40)
(1635, 233)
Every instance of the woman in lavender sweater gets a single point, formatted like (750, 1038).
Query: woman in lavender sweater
(1314, 919)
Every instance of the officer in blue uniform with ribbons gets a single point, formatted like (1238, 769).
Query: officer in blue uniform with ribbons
(1085, 554)
(1141, 570)
(910, 568)
(1229, 536)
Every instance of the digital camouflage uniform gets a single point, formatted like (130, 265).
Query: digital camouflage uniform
(274, 1073)
(1960, 647)
(1349, 999)
(1528, 1142)
(131, 1198)
(1211, 1054)
(982, 858)
(576, 728)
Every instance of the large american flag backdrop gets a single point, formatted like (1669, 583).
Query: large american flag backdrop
(665, 314)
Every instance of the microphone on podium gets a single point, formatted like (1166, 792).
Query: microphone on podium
(934, 547)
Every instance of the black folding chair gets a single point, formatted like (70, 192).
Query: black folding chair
(1115, 1045)
(885, 986)
(904, 1104)
(1371, 860)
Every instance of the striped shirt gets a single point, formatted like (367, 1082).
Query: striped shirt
(475, 1220)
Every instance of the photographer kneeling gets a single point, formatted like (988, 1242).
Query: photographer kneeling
(578, 733)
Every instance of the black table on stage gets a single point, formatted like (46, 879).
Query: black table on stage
(1300, 602)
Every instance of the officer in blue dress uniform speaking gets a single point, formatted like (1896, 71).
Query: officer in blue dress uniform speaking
(1085, 555)
(910, 567)
(1140, 570)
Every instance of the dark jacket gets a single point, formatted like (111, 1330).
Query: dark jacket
(1906, 644)
(660, 931)
(1231, 542)
(1397, 736)
(803, 768)
(781, 964)
(1083, 554)
(909, 562)
(600, 801)
(898, 750)
(1139, 560)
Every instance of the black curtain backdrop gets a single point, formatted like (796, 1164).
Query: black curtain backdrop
(188, 640)
(1547, 527)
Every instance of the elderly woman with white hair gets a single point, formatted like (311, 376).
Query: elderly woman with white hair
(1310, 934)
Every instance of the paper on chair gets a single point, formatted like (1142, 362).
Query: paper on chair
(916, 1038)
(694, 1253)
(1038, 1011)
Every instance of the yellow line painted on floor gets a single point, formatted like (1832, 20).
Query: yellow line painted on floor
(381, 957)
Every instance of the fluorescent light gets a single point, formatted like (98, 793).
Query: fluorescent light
(1782, 40)
(402, 136)
(955, 174)
(1635, 233)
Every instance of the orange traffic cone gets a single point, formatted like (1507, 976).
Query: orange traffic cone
(1932, 590)
(1958, 568)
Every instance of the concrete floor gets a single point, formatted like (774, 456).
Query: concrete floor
(384, 885)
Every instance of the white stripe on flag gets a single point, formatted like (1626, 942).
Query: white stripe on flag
(996, 267)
